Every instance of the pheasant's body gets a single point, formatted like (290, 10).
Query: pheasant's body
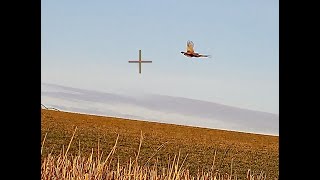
(190, 51)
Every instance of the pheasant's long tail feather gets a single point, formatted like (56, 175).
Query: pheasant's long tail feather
(209, 56)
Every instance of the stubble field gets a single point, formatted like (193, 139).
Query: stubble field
(199, 147)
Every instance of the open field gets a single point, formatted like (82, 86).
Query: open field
(160, 141)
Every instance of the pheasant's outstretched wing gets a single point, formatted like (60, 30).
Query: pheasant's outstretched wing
(190, 46)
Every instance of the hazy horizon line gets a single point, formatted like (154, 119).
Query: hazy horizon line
(99, 91)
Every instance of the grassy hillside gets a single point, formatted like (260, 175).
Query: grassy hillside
(248, 151)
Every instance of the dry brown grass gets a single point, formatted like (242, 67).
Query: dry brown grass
(64, 167)
(153, 156)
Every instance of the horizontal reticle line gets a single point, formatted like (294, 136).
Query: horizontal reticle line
(140, 61)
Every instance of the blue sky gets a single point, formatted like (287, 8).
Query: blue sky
(87, 44)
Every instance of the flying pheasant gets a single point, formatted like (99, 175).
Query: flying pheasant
(190, 51)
